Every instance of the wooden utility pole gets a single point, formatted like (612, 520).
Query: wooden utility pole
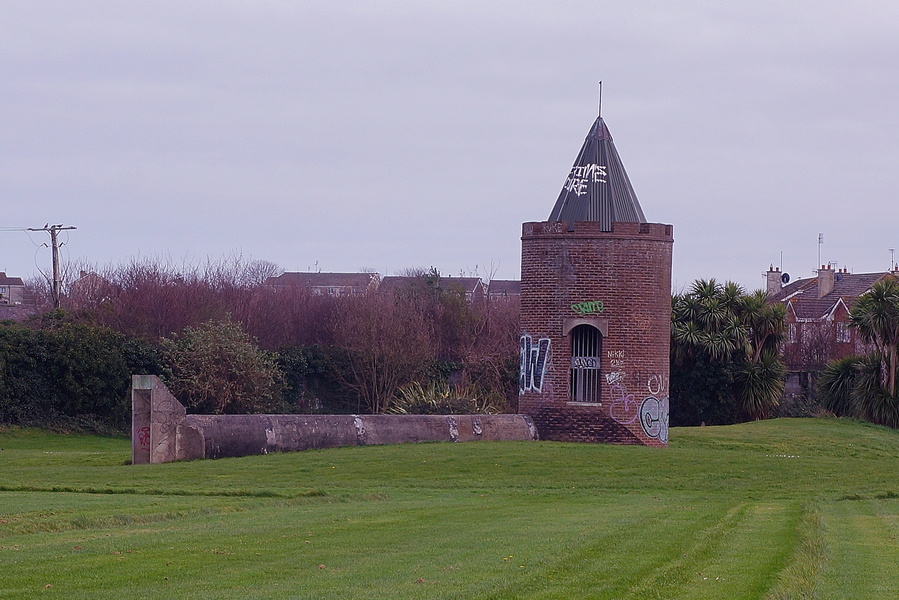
(54, 230)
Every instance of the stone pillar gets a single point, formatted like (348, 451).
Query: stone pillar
(141, 390)
(159, 431)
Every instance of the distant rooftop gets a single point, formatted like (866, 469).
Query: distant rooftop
(802, 295)
(597, 187)
(360, 280)
(394, 283)
(504, 287)
(5, 280)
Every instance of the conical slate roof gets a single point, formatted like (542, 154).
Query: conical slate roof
(597, 188)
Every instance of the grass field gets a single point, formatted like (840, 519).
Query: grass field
(773, 509)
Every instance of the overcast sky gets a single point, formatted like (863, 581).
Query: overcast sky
(338, 136)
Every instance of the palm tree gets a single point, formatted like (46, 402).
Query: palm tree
(836, 384)
(876, 318)
(865, 386)
(722, 325)
(765, 322)
(870, 400)
(760, 385)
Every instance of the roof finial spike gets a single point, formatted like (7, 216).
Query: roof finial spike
(599, 111)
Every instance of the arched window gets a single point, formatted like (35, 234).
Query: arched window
(586, 350)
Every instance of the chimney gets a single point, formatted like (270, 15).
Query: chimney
(825, 280)
(775, 283)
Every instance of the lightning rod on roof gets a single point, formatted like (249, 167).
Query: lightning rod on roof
(599, 109)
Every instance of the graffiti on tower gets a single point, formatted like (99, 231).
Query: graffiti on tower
(533, 363)
(654, 418)
(588, 308)
(581, 176)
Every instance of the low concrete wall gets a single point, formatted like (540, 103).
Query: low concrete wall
(163, 432)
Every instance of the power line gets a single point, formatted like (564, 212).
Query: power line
(53, 230)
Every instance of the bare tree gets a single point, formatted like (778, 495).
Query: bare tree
(813, 346)
(387, 342)
(490, 358)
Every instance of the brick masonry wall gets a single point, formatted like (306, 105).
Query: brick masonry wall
(564, 276)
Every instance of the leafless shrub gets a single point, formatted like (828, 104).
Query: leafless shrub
(375, 342)
(388, 342)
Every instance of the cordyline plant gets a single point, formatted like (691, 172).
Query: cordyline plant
(865, 386)
(876, 317)
(854, 387)
(739, 334)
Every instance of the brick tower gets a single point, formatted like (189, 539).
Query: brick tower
(596, 309)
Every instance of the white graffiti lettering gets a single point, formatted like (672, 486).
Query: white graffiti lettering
(533, 360)
(582, 175)
(614, 377)
(584, 362)
(657, 385)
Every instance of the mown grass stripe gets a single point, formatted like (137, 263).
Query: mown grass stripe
(242, 493)
(573, 520)
(673, 577)
(801, 578)
(863, 538)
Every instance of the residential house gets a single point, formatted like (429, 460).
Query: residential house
(329, 284)
(472, 288)
(503, 289)
(817, 318)
(12, 290)
(17, 302)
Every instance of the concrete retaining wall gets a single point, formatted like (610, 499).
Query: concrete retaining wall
(163, 432)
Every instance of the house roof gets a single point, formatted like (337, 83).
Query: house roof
(597, 187)
(393, 283)
(469, 284)
(504, 287)
(802, 294)
(357, 280)
(4, 280)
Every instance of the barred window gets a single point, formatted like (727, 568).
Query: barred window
(586, 350)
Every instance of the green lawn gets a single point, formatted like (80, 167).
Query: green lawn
(774, 509)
